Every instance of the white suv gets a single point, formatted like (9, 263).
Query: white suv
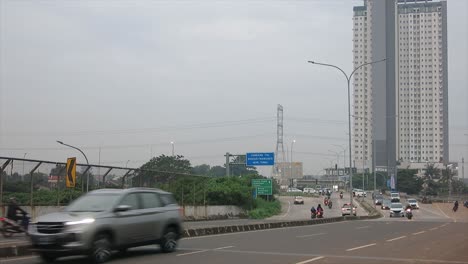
(102, 221)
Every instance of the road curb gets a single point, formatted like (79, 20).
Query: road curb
(262, 226)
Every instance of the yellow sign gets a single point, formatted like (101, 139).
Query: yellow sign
(70, 178)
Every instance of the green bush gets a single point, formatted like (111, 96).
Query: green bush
(264, 209)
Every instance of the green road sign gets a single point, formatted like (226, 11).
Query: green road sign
(263, 186)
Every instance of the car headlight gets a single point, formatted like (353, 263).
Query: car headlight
(84, 221)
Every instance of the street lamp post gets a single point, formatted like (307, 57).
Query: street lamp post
(373, 152)
(344, 157)
(24, 157)
(172, 144)
(86, 158)
(348, 79)
(292, 145)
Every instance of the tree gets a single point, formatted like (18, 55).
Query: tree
(238, 170)
(409, 182)
(203, 169)
(431, 174)
(164, 168)
(217, 171)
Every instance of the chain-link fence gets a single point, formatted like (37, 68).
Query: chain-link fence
(39, 182)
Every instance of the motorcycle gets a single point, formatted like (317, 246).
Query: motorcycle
(325, 201)
(455, 208)
(330, 204)
(341, 196)
(10, 227)
(465, 204)
(320, 214)
(313, 215)
(409, 214)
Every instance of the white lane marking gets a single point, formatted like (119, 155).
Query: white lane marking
(442, 212)
(318, 234)
(362, 227)
(223, 248)
(310, 260)
(16, 259)
(396, 238)
(446, 224)
(356, 248)
(190, 253)
(289, 208)
(419, 233)
(434, 228)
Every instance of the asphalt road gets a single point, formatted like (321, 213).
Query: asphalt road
(396, 241)
(293, 211)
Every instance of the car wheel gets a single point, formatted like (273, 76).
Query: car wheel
(169, 241)
(47, 258)
(101, 251)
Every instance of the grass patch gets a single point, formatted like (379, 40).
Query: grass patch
(264, 209)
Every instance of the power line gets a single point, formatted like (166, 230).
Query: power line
(146, 130)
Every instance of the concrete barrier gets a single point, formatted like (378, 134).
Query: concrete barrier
(191, 213)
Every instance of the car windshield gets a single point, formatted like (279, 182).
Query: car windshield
(412, 201)
(93, 202)
(397, 205)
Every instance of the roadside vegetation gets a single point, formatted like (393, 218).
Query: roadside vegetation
(264, 209)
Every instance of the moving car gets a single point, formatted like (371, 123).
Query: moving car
(298, 200)
(105, 220)
(378, 199)
(386, 204)
(346, 209)
(309, 190)
(395, 197)
(413, 203)
(396, 209)
(359, 193)
(293, 190)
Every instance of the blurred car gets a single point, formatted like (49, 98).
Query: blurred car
(396, 209)
(105, 220)
(378, 199)
(294, 190)
(359, 193)
(413, 203)
(375, 193)
(298, 200)
(386, 204)
(309, 190)
(346, 209)
(395, 197)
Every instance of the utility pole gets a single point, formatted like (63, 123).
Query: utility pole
(227, 163)
(463, 169)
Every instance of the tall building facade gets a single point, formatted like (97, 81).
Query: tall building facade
(401, 105)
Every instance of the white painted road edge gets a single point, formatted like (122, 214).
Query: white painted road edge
(289, 208)
(396, 238)
(309, 260)
(356, 248)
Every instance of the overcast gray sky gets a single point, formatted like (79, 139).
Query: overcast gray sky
(129, 77)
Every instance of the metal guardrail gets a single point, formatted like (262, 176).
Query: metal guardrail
(29, 171)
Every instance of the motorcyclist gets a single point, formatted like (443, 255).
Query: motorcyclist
(13, 209)
(455, 206)
(313, 211)
(319, 209)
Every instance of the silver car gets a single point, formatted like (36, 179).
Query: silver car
(396, 209)
(109, 219)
